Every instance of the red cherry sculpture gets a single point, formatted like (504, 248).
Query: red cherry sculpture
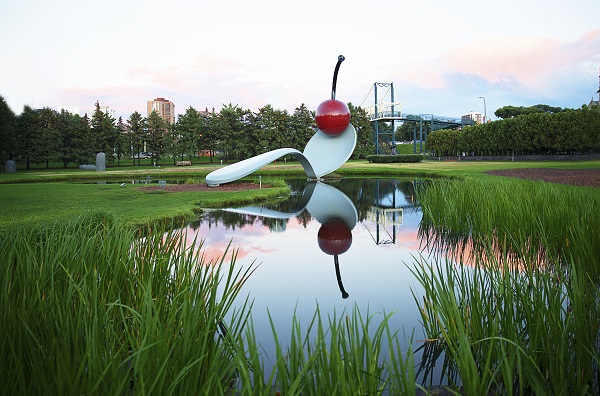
(334, 237)
(333, 116)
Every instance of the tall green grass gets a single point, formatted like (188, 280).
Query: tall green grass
(345, 354)
(87, 307)
(507, 331)
(93, 307)
(515, 304)
(523, 217)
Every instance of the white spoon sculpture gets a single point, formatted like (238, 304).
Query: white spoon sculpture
(329, 148)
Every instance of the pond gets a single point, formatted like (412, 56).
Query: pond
(333, 245)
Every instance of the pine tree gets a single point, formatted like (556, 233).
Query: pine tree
(137, 131)
(8, 136)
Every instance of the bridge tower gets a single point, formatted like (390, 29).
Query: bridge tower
(384, 111)
(390, 111)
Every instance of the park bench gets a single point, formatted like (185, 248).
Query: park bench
(183, 163)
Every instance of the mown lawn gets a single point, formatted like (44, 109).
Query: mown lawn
(43, 195)
(44, 202)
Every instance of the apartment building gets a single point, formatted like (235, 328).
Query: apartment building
(165, 108)
(474, 116)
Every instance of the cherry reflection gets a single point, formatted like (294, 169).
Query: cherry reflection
(331, 208)
(334, 238)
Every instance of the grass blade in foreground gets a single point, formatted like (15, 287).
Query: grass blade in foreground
(88, 308)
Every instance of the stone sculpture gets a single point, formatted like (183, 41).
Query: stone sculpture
(10, 166)
(100, 162)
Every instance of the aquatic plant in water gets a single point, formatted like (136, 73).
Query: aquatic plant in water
(514, 304)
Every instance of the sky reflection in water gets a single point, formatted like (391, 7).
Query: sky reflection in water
(295, 275)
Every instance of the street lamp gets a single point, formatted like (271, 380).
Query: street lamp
(484, 109)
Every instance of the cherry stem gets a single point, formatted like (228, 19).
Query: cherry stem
(341, 58)
(345, 294)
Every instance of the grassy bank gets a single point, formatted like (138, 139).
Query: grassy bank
(292, 168)
(44, 202)
(514, 302)
(41, 195)
(88, 307)
(456, 169)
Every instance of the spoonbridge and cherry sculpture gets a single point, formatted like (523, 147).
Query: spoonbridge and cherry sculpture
(329, 148)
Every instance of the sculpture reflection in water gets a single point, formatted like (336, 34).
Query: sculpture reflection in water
(330, 207)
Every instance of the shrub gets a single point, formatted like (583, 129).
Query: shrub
(395, 158)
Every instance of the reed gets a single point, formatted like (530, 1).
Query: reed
(515, 302)
(512, 332)
(87, 307)
(522, 217)
(345, 354)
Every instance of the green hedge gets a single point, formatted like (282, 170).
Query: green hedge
(568, 132)
(395, 158)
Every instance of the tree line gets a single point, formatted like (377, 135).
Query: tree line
(45, 136)
(565, 131)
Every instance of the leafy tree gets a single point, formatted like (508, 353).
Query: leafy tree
(271, 131)
(247, 136)
(251, 143)
(100, 140)
(187, 133)
(509, 112)
(105, 133)
(203, 134)
(136, 125)
(301, 127)
(543, 108)
(171, 142)
(565, 132)
(83, 136)
(26, 133)
(157, 130)
(46, 144)
(122, 143)
(364, 130)
(68, 128)
(514, 111)
(405, 131)
(8, 136)
(211, 138)
(230, 124)
(281, 131)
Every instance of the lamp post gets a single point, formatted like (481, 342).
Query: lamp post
(484, 110)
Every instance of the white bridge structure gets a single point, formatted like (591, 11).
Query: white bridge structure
(384, 111)
(387, 109)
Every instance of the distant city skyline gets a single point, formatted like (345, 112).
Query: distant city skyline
(442, 57)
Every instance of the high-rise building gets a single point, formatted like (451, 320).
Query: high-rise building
(165, 108)
(474, 116)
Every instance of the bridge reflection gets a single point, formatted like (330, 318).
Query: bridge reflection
(385, 215)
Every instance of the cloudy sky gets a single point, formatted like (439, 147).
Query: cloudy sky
(440, 55)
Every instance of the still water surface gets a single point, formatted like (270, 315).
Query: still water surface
(372, 225)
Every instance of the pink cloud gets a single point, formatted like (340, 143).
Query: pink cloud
(531, 61)
(527, 62)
